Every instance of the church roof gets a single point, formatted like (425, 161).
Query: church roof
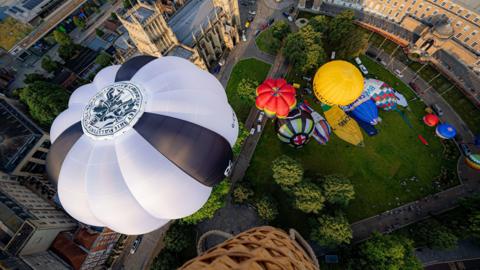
(190, 18)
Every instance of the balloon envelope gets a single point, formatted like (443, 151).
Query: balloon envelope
(343, 125)
(381, 93)
(275, 97)
(296, 129)
(430, 120)
(445, 131)
(338, 82)
(473, 161)
(367, 112)
(142, 144)
(321, 131)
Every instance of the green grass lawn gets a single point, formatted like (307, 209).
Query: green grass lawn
(377, 170)
(459, 102)
(266, 42)
(251, 68)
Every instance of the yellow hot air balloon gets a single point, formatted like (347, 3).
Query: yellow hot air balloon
(338, 83)
(343, 125)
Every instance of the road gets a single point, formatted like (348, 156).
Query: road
(433, 204)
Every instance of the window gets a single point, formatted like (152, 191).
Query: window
(428, 9)
(468, 15)
(474, 44)
(396, 15)
(442, 4)
(474, 33)
(435, 12)
(408, 9)
(458, 23)
(450, 7)
(423, 15)
(466, 28)
(458, 35)
(420, 6)
(459, 11)
(476, 19)
(466, 40)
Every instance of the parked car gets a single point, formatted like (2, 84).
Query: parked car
(383, 62)
(244, 36)
(135, 245)
(291, 10)
(260, 117)
(252, 12)
(285, 14)
(247, 24)
(414, 86)
(250, 18)
(252, 131)
(290, 19)
(437, 109)
(271, 21)
(257, 32)
(465, 149)
(371, 54)
(398, 73)
(263, 26)
(363, 69)
(333, 55)
(259, 128)
(358, 61)
(308, 79)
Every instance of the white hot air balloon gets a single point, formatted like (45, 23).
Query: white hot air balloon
(142, 144)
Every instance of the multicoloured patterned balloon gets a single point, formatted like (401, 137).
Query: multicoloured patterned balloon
(321, 131)
(381, 93)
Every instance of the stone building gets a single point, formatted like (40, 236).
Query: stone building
(445, 33)
(201, 30)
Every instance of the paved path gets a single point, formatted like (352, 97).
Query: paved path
(432, 204)
(465, 250)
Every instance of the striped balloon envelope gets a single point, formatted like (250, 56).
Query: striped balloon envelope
(473, 161)
(321, 131)
(276, 98)
(381, 93)
(142, 144)
(296, 129)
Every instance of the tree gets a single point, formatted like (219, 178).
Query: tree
(332, 231)
(113, 16)
(280, 30)
(99, 32)
(165, 261)
(49, 65)
(178, 237)
(387, 252)
(104, 59)
(434, 235)
(33, 77)
(320, 24)
(67, 52)
(266, 208)
(474, 225)
(216, 201)
(242, 194)
(342, 26)
(63, 39)
(79, 22)
(287, 172)
(338, 190)
(44, 100)
(304, 49)
(242, 136)
(308, 197)
(246, 89)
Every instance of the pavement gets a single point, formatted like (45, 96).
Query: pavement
(465, 250)
(433, 204)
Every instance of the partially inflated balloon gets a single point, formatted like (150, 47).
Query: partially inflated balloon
(142, 144)
(296, 129)
(276, 98)
(338, 83)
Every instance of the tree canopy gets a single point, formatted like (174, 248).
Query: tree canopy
(44, 100)
(287, 172)
(242, 194)
(435, 235)
(308, 197)
(304, 49)
(49, 65)
(338, 190)
(216, 201)
(177, 237)
(280, 30)
(79, 22)
(242, 136)
(266, 208)
(33, 77)
(63, 39)
(387, 252)
(103, 59)
(246, 89)
(332, 231)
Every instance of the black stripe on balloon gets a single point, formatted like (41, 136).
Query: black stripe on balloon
(130, 68)
(199, 152)
(59, 150)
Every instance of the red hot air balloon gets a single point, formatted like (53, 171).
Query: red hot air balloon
(276, 98)
(430, 120)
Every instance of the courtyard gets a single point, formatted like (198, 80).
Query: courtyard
(392, 169)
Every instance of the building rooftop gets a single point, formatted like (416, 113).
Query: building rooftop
(141, 14)
(180, 52)
(17, 136)
(190, 18)
(470, 4)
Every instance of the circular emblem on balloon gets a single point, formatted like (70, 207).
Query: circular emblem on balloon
(142, 144)
(113, 110)
(296, 129)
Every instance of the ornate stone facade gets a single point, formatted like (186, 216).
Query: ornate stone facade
(201, 30)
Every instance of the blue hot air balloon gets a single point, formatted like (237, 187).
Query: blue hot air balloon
(446, 131)
(367, 112)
